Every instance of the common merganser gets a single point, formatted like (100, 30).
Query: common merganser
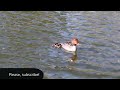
(69, 46)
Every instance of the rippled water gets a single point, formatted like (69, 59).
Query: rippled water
(26, 38)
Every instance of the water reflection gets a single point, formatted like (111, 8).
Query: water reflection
(74, 57)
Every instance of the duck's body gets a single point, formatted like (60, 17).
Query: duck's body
(69, 46)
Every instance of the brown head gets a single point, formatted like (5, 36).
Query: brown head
(75, 41)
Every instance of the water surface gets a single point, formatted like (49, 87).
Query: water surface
(26, 38)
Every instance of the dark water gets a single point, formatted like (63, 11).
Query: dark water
(26, 38)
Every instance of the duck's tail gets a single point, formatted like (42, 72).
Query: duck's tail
(57, 45)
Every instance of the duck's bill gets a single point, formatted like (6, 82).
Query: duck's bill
(78, 44)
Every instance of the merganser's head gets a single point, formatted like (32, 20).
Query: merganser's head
(75, 41)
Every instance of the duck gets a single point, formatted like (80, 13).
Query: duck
(70, 46)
